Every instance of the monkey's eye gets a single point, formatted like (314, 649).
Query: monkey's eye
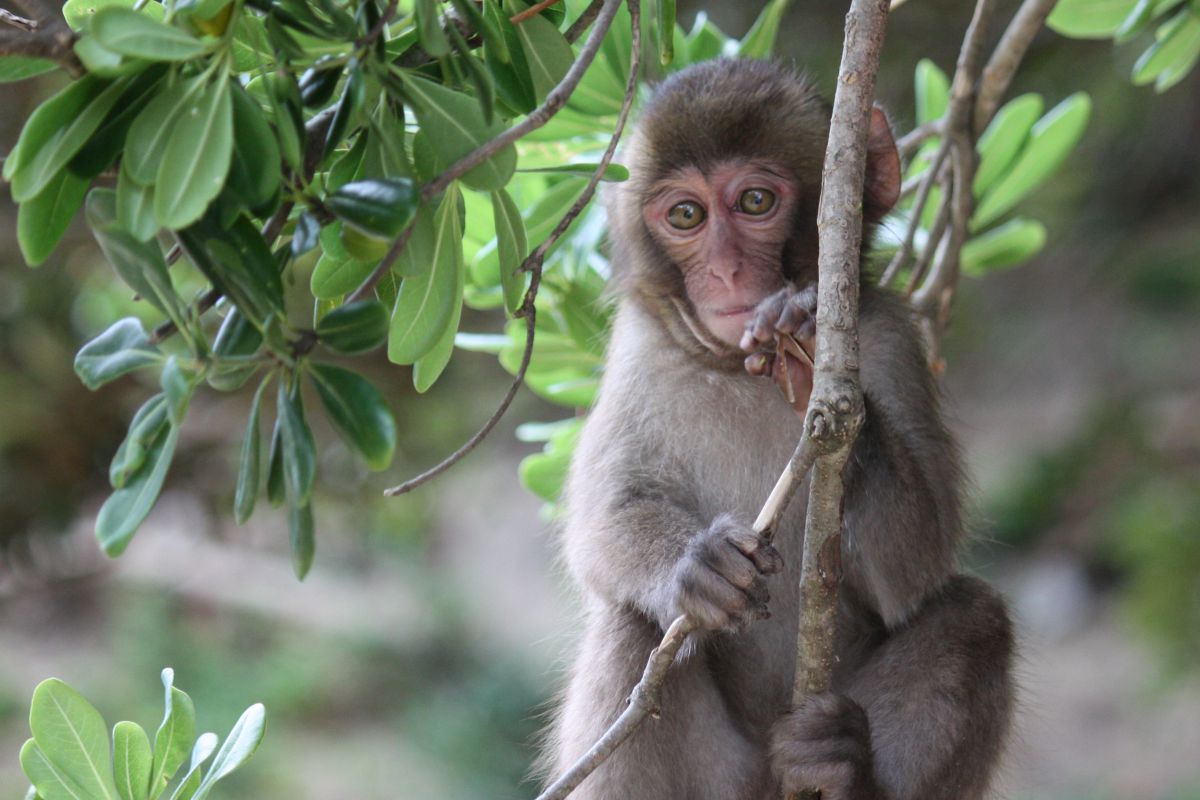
(756, 201)
(685, 215)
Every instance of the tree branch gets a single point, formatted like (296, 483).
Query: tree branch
(9, 18)
(52, 42)
(999, 72)
(585, 19)
(534, 261)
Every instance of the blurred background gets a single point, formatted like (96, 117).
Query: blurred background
(418, 657)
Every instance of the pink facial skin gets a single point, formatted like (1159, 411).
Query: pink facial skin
(731, 259)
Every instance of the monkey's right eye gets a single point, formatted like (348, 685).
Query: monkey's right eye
(685, 215)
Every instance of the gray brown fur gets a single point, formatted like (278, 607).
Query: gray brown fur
(682, 442)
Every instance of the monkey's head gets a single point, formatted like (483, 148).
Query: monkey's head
(720, 208)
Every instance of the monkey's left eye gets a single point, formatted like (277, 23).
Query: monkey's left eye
(756, 201)
(685, 215)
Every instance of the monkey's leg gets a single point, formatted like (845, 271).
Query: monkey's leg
(692, 752)
(938, 695)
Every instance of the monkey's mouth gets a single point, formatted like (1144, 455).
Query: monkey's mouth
(735, 311)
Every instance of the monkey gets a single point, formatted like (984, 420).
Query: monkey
(713, 243)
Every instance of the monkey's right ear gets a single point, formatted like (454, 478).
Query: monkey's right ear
(881, 187)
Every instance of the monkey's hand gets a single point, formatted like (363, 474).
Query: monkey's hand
(721, 580)
(825, 744)
(791, 314)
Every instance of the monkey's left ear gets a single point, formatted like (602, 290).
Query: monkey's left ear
(881, 188)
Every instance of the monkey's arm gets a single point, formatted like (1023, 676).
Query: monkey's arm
(902, 519)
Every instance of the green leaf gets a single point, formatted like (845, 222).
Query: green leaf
(426, 301)
(665, 19)
(306, 235)
(131, 760)
(276, 491)
(135, 208)
(614, 173)
(108, 142)
(485, 24)
(130, 33)
(196, 159)
(145, 427)
(49, 119)
(177, 385)
(36, 169)
(1089, 19)
(382, 207)
(544, 473)
(429, 367)
(1050, 142)
(239, 263)
(1004, 138)
(49, 781)
(174, 737)
(1007, 245)
(206, 743)
(152, 129)
(18, 68)
(332, 277)
(511, 246)
(236, 339)
(255, 172)
(301, 537)
(547, 52)
(122, 348)
(239, 745)
(506, 61)
(127, 507)
(351, 101)
(429, 29)
(1174, 53)
(249, 466)
(705, 41)
(299, 450)
(43, 219)
(417, 257)
(354, 327)
(359, 412)
(759, 41)
(454, 127)
(140, 264)
(71, 733)
(932, 91)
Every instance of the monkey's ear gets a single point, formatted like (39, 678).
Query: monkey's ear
(881, 188)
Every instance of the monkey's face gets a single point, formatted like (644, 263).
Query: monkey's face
(725, 230)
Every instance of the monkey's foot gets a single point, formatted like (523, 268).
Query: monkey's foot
(824, 744)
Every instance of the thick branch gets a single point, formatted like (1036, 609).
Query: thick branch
(52, 42)
(835, 411)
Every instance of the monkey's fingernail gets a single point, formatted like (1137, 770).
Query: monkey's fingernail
(747, 342)
(758, 364)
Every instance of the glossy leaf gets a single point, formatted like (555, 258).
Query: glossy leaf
(454, 127)
(145, 427)
(547, 52)
(254, 173)
(249, 462)
(506, 61)
(426, 301)
(127, 507)
(511, 247)
(39, 165)
(276, 488)
(348, 106)
(174, 736)
(299, 449)
(131, 760)
(1007, 245)
(379, 206)
(354, 327)
(1089, 19)
(359, 412)
(196, 159)
(1050, 142)
(305, 236)
(759, 41)
(1004, 138)
(130, 33)
(238, 262)
(239, 745)
(301, 537)
(43, 219)
(122, 348)
(73, 736)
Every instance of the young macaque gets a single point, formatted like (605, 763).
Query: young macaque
(714, 249)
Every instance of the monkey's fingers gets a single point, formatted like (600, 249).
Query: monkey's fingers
(766, 558)
(760, 365)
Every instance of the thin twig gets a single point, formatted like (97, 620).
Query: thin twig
(926, 181)
(585, 19)
(380, 25)
(909, 142)
(533, 262)
(384, 266)
(930, 249)
(532, 11)
(9, 18)
(999, 72)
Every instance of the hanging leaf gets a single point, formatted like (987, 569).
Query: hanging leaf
(43, 219)
(239, 264)
(426, 301)
(49, 118)
(145, 427)
(152, 128)
(135, 208)
(429, 27)
(506, 61)
(122, 348)
(130, 33)
(511, 247)
(302, 538)
(18, 68)
(354, 327)
(254, 175)
(547, 52)
(177, 385)
(249, 466)
(196, 158)
(128, 506)
(429, 367)
(299, 449)
(359, 412)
